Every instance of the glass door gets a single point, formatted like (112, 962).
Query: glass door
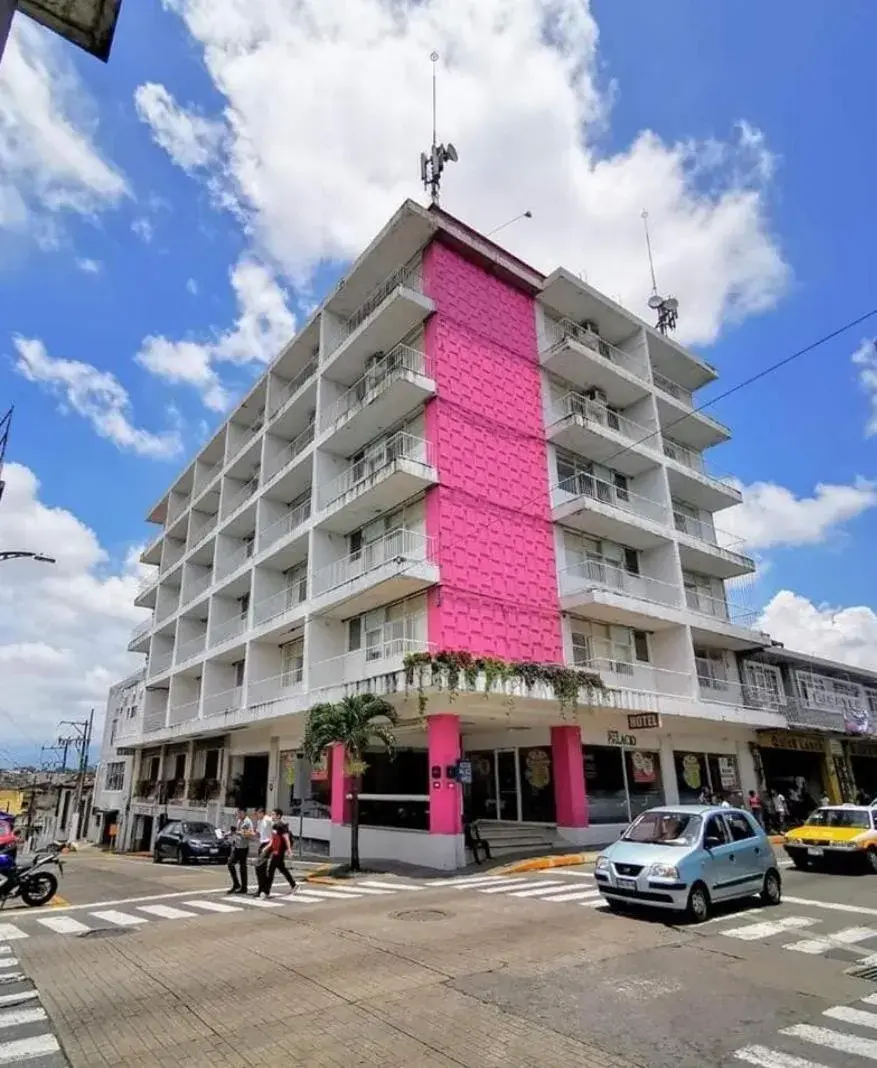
(507, 790)
(481, 794)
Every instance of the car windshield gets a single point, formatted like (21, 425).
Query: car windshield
(839, 817)
(198, 828)
(664, 828)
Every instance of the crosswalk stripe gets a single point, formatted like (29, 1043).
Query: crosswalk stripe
(576, 895)
(12, 977)
(869, 999)
(211, 906)
(332, 895)
(762, 1057)
(9, 962)
(62, 924)
(28, 1049)
(9, 932)
(836, 1040)
(260, 903)
(305, 897)
(120, 919)
(19, 998)
(17, 1017)
(344, 891)
(377, 885)
(538, 891)
(166, 912)
(471, 880)
(505, 886)
(847, 1014)
(4, 950)
(849, 936)
(753, 932)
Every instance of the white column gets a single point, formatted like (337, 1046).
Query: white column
(7, 10)
(668, 772)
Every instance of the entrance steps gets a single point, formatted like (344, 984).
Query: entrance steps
(506, 837)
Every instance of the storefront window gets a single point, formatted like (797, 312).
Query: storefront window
(480, 796)
(644, 783)
(537, 785)
(701, 777)
(604, 784)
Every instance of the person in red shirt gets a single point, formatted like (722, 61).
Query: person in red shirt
(755, 807)
(279, 848)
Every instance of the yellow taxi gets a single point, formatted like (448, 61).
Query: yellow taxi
(835, 832)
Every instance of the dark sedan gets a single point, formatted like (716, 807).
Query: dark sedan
(187, 842)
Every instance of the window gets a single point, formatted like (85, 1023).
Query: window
(641, 646)
(712, 670)
(292, 662)
(387, 632)
(621, 783)
(739, 826)
(114, 777)
(664, 828)
(296, 584)
(609, 648)
(763, 685)
(211, 764)
(599, 561)
(244, 604)
(238, 666)
(715, 829)
(354, 634)
(179, 766)
(153, 769)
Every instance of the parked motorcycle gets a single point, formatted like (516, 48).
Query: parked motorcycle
(34, 883)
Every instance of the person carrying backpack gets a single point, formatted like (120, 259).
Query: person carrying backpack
(279, 848)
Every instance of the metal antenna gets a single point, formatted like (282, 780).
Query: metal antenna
(524, 215)
(433, 163)
(666, 307)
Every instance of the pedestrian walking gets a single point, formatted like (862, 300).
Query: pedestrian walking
(755, 807)
(240, 834)
(264, 826)
(279, 848)
(781, 808)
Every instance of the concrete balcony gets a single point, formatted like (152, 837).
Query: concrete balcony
(152, 553)
(289, 524)
(203, 524)
(734, 622)
(391, 312)
(589, 428)
(235, 497)
(582, 357)
(160, 661)
(384, 654)
(177, 714)
(139, 641)
(279, 607)
(195, 588)
(399, 467)
(690, 480)
(389, 569)
(676, 413)
(604, 510)
(190, 649)
(227, 630)
(205, 478)
(227, 565)
(393, 386)
(700, 552)
(619, 597)
(288, 455)
(218, 704)
(279, 688)
(293, 388)
(727, 692)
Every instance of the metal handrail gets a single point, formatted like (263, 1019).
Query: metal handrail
(410, 277)
(400, 546)
(289, 452)
(278, 604)
(559, 332)
(400, 361)
(240, 496)
(575, 405)
(287, 523)
(377, 459)
(293, 386)
(583, 484)
(597, 574)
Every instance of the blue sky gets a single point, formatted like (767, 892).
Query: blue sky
(286, 146)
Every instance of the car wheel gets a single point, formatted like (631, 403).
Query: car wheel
(871, 860)
(182, 856)
(772, 891)
(614, 906)
(698, 908)
(156, 856)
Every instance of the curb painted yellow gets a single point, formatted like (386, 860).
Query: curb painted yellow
(566, 860)
(59, 902)
(320, 873)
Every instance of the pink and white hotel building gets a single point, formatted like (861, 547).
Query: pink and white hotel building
(455, 453)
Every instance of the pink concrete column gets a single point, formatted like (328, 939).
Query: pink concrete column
(445, 808)
(570, 798)
(340, 785)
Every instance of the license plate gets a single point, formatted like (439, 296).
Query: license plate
(626, 884)
(814, 851)
(213, 852)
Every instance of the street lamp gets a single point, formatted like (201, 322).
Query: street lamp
(22, 554)
(89, 24)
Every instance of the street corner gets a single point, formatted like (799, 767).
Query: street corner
(563, 860)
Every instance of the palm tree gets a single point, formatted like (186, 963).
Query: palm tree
(355, 722)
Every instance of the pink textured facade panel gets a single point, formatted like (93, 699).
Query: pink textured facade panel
(445, 803)
(490, 515)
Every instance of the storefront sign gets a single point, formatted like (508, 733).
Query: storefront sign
(537, 770)
(464, 771)
(802, 743)
(644, 721)
(728, 773)
(320, 770)
(863, 749)
(617, 738)
(644, 770)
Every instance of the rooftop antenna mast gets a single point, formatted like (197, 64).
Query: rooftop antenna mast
(666, 307)
(5, 425)
(433, 163)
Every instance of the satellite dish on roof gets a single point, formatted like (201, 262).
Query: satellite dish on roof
(655, 302)
(451, 153)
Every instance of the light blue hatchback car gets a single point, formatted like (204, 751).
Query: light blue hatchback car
(688, 857)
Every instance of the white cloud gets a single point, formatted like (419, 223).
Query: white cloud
(190, 140)
(97, 396)
(49, 161)
(144, 229)
(845, 634)
(64, 628)
(326, 106)
(192, 287)
(263, 325)
(865, 358)
(89, 266)
(772, 516)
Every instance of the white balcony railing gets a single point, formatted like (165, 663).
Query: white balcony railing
(684, 456)
(289, 452)
(625, 500)
(276, 689)
(202, 524)
(166, 610)
(195, 587)
(399, 362)
(706, 604)
(141, 629)
(287, 523)
(386, 645)
(192, 647)
(590, 412)
(147, 582)
(667, 385)
(160, 660)
(215, 704)
(727, 692)
(378, 460)
(278, 604)
(183, 713)
(566, 330)
(408, 277)
(398, 546)
(705, 532)
(238, 497)
(228, 629)
(596, 574)
(235, 559)
(293, 386)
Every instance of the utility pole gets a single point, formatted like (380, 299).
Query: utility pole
(82, 740)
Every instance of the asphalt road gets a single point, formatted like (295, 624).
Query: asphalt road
(478, 971)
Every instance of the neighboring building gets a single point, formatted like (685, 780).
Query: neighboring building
(113, 777)
(455, 453)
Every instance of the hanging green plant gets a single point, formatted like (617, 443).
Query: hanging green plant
(416, 665)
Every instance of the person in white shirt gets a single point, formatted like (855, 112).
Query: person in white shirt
(264, 830)
(240, 834)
